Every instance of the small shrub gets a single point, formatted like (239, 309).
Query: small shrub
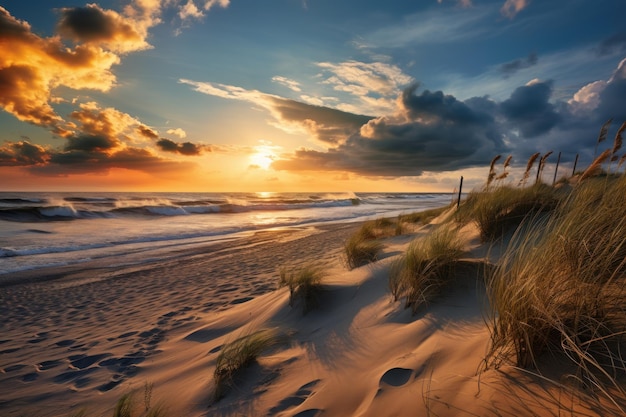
(239, 354)
(304, 284)
(426, 268)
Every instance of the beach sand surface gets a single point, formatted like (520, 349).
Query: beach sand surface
(78, 338)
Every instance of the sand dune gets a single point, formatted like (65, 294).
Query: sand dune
(90, 335)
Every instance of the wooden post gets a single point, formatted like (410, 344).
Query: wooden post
(458, 201)
(575, 162)
(556, 169)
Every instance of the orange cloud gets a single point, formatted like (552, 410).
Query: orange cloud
(31, 67)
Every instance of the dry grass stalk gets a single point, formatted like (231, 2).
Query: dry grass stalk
(542, 163)
(617, 143)
(502, 176)
(595, 165)
(492, 170)
(529, 166)
(621, 161)
(602, 136)
(508, 160)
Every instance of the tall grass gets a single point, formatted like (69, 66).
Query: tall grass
(426, 268)
(240, 353)
(305, 285)
(560, 288)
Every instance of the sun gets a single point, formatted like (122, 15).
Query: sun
(264, 155)
(262, 160)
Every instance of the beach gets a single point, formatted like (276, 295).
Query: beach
(77, 338)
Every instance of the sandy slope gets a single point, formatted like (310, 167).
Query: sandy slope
(65, 346)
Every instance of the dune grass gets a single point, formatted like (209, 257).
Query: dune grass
(362, 247)
(560, 288)
(426, 268)
(239, 354)
(305, 285)
(499, 210)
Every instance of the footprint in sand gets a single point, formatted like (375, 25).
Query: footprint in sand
(299, 397)
(396, 377)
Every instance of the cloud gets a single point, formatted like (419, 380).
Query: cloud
(84, 155)
(107, 28)
(177, 132)
(371, 87)
(91, 119)
(328, 126)
(190, 10)
(434, 132)
(512, 7)
(186, 148)
(147, 132)
(22, 153)
(359, 78)
(34, 66)
(291, 84)
(529, 109)
(512, 67)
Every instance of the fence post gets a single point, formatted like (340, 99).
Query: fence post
(458, 201)
(575, 162)
(556, 169)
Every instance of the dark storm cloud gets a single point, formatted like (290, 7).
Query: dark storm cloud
(185, 148)
(615, 43)
(437, 132)
(22, 153)
(529, 109)
(512, 67)
(438, 106)
(329, 126)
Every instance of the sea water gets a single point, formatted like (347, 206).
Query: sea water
(39, 230)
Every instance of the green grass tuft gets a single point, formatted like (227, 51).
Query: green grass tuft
(426, 268)
(305, 285)
(239, 354)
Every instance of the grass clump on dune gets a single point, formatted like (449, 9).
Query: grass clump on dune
(305, 285)
(126, 405)
(426, 268)
(362, 247)
(501, 209)
(561, 288)
(239, 354)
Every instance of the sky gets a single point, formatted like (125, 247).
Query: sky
(301, 95)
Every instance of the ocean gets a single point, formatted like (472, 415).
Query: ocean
(41, 230)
